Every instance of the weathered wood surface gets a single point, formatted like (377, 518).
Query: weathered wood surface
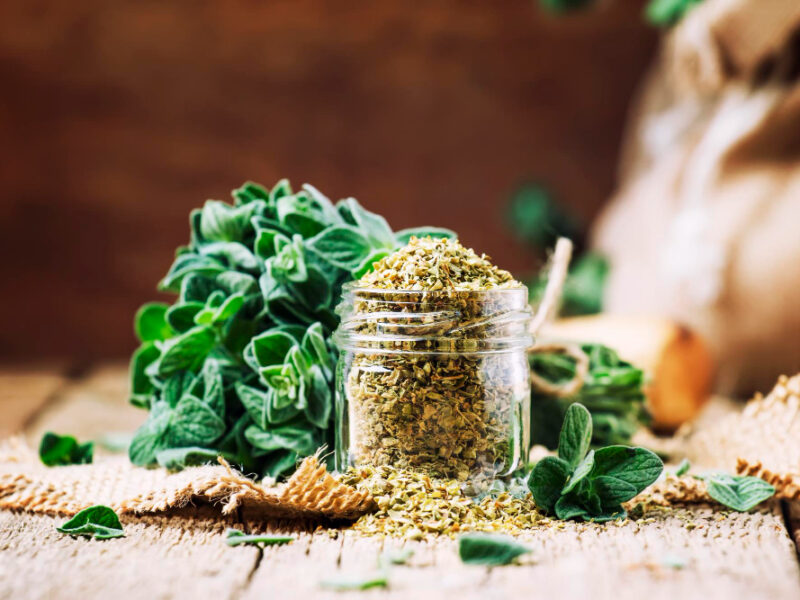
(686, 553)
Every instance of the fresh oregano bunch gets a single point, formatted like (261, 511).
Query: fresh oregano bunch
(612, 391)
(590, 485)
(241, 364)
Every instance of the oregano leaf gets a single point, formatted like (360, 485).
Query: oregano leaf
(576, 435)
(489, 549)
(98, 521)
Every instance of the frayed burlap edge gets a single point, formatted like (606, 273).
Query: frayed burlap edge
(762, 440)
(311, 493)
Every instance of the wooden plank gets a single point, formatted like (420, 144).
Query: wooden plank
(693, 552)
(160, 557)
(24, 390)
(684, 553)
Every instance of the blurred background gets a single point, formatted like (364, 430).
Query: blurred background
(120, 117)
(662, 135)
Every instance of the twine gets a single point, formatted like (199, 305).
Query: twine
(557, 276)
(568, 388)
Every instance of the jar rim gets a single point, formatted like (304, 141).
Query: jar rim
(353, 287)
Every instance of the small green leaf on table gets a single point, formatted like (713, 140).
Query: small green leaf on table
(739, 492)
(489, 549)
(98, 521)
(237, 538)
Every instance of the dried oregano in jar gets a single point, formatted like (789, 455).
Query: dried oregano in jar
(433, 373)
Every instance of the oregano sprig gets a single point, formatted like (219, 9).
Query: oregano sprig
(241, 365)
(590, 485)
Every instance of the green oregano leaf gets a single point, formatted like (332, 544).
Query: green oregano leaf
(235, 537)
(547, 480)
(489, 549)
(58, 450)
(638, 466)
(683, 468)
(580, 473)
(99, 521)
(150, 322)
(186, 351)
(343, 246)
(612, 490)
(739, 492)
(576, 435)
(594, 488)
(568, 507)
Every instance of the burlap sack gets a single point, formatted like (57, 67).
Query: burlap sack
(311, 493)
(705, 226)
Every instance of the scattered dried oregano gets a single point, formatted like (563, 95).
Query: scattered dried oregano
(433, 371)
(413, 505)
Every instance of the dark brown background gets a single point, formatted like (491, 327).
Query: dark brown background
(118, 117)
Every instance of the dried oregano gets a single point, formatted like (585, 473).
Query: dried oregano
(425, 385)
(414, 506)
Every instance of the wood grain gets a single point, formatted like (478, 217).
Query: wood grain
(686, 553)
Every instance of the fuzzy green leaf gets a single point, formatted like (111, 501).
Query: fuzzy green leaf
(488, 549)
(637, 466)
(235, 537)
(151, 324)
(343, 246)
(576, 435)
(739, 492)
(547, 480)
(98, 521)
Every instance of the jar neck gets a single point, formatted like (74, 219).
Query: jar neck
(440, 321)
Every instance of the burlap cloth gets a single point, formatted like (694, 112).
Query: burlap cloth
(763, 440)
(311, 493)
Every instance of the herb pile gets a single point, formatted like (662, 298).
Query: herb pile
(423, 395)
(241, 364)
(586, 484)
(413, 505)
(612, 392)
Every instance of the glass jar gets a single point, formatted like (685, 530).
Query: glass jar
(436, 381)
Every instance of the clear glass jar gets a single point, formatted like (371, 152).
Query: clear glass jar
(436, 381)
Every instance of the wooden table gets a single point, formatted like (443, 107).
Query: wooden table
(692, 552)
